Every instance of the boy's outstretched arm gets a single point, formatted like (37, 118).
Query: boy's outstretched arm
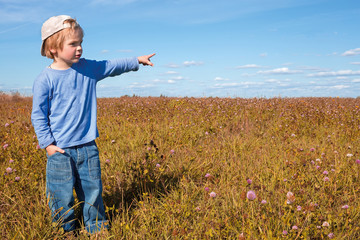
(145, 60)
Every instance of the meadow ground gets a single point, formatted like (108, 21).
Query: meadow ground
(200, 168)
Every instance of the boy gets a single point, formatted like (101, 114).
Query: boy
(64, 119)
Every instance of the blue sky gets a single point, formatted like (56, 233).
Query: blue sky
(230, 48)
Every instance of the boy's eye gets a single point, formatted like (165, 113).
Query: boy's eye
(74, 44)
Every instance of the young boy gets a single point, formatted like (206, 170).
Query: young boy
(64, 119)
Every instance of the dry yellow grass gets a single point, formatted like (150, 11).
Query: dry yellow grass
(182, 168)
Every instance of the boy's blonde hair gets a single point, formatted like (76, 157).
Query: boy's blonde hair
(56, 41)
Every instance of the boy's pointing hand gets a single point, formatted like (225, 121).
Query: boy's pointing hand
(145, 60)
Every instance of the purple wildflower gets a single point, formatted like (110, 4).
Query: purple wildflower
(212, 194)
(331, 235)
(251, 195)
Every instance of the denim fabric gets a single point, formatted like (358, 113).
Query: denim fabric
(78, 168)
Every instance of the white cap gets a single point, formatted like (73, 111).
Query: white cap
(52, 26)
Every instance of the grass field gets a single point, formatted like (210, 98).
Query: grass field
(200, 168)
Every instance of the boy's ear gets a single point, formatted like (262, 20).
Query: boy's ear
(53, 51)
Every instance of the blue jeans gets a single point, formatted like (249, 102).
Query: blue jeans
(78, 168)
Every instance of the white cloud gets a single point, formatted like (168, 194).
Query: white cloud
(339, 87)
(272, 80)
(312, 68)
(355, 63)
(248, 66)
(184, 64)
(125, 50)
(112, 2)
(220, 85)
(283, 70)
(173, 65)
(263, 55)
(352, 52)
(171, 81)
(192, 63)
(235, 84)
(141, 85)
(356, 80)
(177, 78)
(171, 72)
(220, 79)
(335, 73)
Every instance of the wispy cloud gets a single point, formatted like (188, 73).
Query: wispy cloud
(283, 70)
(248, 66)
(112, 2)
(220, 79)
(173, 65)
(352, 52)
(263, 54)
(185, 64)
(335, 73)
(192, 63)
(339, 87)
(237, 84)
(171, 73)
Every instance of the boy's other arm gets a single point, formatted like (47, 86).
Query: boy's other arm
(145, 60)
(40, 114)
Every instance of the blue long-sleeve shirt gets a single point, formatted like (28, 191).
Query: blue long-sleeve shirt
(64, 101)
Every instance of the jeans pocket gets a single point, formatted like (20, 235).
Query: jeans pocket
(93, 161)
(58, 168)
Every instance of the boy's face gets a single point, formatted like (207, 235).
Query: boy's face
(71, 51)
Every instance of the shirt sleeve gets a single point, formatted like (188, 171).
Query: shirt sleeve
(115, 67)
(40, 112)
